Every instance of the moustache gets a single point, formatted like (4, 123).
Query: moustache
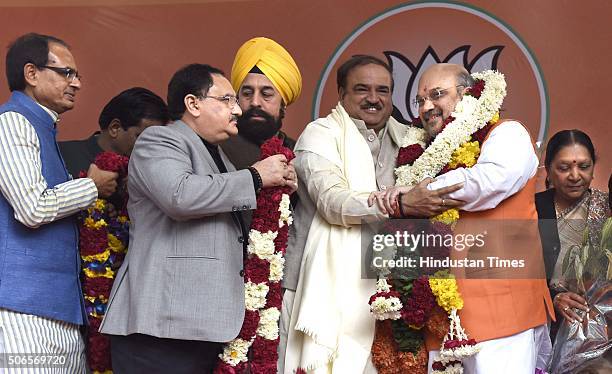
(433, 112)
(256, 112)
(371, 105)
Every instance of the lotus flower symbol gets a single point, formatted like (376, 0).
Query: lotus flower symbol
(406, 75)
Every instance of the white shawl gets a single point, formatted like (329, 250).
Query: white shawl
(331, 329)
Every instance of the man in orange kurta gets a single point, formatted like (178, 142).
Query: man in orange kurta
(504, 308)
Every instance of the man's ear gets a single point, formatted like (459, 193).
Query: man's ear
(281, 112)
(30, 74)
(114, 128)
(192, 105)
(341, 93)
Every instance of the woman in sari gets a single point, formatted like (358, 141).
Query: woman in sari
(572, 217)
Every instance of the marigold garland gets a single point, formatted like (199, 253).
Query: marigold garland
(457, 145)
(103, 244)
(448, 217)
(466, 155)
(444, 287)
(255, 349)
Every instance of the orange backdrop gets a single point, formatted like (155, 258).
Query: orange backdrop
(121, 44)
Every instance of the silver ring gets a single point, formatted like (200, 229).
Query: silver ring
(566, 308)
(443, 202)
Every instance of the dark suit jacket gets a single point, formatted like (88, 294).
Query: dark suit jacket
(549, 235)
(547, 222)
(79, 154)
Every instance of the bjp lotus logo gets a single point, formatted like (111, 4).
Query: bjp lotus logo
(412, 37)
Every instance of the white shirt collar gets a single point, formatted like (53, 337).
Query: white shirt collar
(52, 113)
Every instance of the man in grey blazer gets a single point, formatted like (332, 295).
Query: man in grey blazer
(180, 291)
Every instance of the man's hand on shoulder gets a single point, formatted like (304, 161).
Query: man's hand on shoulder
(105, 181)
(275, 171)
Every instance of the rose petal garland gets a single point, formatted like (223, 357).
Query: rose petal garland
(255, 349)
(103, 243)
(419, 304)
(457, 145)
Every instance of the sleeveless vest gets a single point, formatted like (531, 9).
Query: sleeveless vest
(39, 267)
(503, 301)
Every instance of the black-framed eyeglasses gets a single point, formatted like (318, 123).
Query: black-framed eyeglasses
(434, 95)
(68, 73)
(230, 100)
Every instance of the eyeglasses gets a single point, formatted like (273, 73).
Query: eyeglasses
(433, 96)
(230, 100)
(68, 73)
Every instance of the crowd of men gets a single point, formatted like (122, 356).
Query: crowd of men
(194, 175)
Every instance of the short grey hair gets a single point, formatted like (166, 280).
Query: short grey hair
(464, 79)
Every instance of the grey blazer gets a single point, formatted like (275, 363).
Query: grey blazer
(182, 277)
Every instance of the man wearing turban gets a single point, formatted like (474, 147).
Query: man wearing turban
(267, 80)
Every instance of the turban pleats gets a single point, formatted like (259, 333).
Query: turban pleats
(274, 61)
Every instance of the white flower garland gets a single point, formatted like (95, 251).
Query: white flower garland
(261, 245)
(236, 351)
(255, 295)
(277, 265)
(284, 208)
(414, 135)
(470, 115)
(385, 306)
(268, 323)
(456, 332)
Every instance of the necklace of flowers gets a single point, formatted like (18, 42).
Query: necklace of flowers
(103, 244)
(478, 106)
(255, 349)
(427, 299)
